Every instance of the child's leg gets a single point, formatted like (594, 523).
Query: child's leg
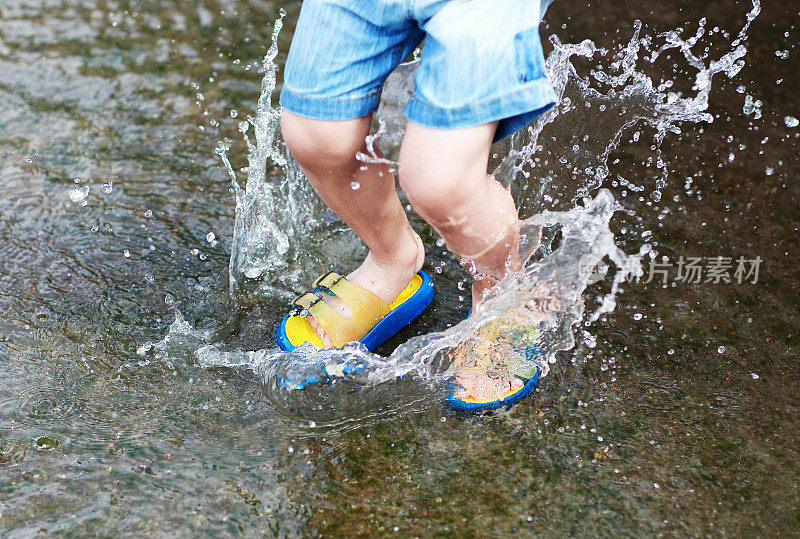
(363, 195)
(443, 173)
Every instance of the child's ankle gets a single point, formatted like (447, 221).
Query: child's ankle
(408, 257)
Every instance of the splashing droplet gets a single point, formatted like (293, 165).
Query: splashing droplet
(791, 121)
(252, 273)
(78, 196)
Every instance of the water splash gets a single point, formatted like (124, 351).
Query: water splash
(271, 212)
(554, 286)
(616, 98)
(275, 213)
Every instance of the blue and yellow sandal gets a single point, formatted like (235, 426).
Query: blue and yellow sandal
(528, 371)
(373, 321)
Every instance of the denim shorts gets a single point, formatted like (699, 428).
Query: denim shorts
(481, 62)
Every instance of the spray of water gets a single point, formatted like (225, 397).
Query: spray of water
(275, 213)
(271, 213)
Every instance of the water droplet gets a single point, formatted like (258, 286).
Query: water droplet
(354, 185)
(670, 351)
(637, 316)
(108, 187)
(127, 253)
(721, 349)
(210, 237)
(791, 121)
(752, 106)
(78, 196)
(656, 485)
(234, 114)
(148, 213)
(754, 375)
(252, 273)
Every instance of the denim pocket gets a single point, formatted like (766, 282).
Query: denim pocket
(529, 55)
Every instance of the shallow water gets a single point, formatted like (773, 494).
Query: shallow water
(677, 413)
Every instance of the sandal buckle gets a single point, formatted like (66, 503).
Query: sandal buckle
(302, 304)
(328, 281)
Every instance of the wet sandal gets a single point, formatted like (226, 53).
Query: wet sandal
(474, 404)
(528, 372)
(373, 320)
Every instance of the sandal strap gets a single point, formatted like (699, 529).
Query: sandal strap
(367, 308)
(327, 281)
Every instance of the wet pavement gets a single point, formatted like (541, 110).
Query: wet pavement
(678, 413)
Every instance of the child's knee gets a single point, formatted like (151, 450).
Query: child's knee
(437, 197)
(318, 144)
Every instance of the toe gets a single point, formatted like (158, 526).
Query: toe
(320, 331)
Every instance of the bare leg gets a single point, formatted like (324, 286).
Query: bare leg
(364, 196)
(443, 173)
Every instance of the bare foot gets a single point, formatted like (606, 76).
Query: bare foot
(384, 278)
